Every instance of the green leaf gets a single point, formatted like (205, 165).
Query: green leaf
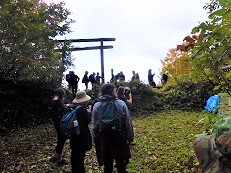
(225, 3)
(218, 13)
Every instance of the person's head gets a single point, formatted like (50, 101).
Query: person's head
(81, 97)
(149, 71)
(93, 73)
(86, 72)
(60, 93)
(133, 72)
(120, 91)
(97, 73)
(108, 89)
(71, 72)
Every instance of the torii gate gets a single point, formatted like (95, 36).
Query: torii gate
(101, 47)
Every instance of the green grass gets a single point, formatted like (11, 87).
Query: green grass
(164, 143)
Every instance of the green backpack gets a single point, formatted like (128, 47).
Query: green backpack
(223, 136)
(110, 119)
(214, 151)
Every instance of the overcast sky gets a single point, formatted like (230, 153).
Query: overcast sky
(144, 32)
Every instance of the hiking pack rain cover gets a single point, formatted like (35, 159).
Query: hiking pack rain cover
(212, 103)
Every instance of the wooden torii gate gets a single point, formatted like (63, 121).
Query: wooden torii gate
(101, 47)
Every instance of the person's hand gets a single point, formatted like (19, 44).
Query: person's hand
(89, 108)
(130, 95)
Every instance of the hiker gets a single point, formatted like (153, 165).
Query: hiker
(68, 79)
(112, 138)
(82, 142)
(121, 77)
(135, 76)
(112, 80)
(85, 80)
(124, 93)
(97, 78)
(164, 78)
(73, 82)
(150, 78)
(58, 109)
(92, 79)
(214, 151)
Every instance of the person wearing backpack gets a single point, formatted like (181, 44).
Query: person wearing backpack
(73, 82)
(80, 140)
(58, 109)
(214, 151)
(112, 130)
(85, 80)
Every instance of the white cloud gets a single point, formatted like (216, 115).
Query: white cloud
(144, 31)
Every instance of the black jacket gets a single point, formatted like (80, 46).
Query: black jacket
(84, 140)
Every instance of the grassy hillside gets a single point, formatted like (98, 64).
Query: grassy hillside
(163, 144)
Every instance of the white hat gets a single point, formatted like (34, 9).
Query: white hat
(81, 97)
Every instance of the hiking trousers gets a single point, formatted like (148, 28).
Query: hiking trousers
(77, 160)
(60, 141)
(120, 165)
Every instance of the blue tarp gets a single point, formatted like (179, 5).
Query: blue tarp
(212, 104)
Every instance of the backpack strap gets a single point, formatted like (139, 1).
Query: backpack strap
(76, 109)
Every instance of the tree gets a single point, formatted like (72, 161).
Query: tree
(214, 51)
(180, 66)
(27, 47)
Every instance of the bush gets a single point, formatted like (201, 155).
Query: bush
(187, 95)
(23, 103)
(145, 99)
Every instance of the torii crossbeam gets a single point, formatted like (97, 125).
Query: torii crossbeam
(101, 47)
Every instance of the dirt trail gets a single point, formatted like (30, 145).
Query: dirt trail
(33, 147)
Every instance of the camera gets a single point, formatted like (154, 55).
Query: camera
(127, 92)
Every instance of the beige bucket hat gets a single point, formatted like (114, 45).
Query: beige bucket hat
(81, 97)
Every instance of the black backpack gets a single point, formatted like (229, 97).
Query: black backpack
(83, 80)
(91, 79)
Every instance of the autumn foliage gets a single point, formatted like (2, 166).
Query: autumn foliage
(189, 42)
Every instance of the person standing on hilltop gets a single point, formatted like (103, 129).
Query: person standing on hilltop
(164, 78)
(121, 77)
(73, 82)
(85, 80)
(150, 78)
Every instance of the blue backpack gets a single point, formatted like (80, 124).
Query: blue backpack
(67, 126)
(110, 119)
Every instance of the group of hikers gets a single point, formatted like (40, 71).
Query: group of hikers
(95, 79)
(120, 77)
(164, 78)
(112, 131)
(73, 80)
